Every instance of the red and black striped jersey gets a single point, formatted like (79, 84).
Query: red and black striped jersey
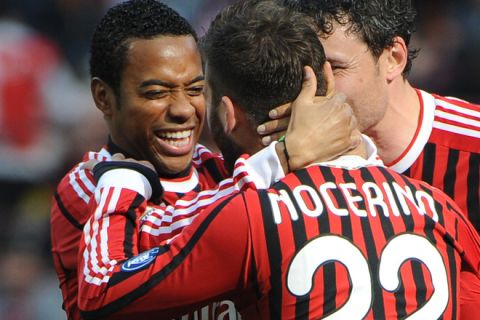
(445, 151)
(362, 242)
(70, 207)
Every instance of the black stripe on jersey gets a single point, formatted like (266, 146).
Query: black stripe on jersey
(274, 256)
(400, 300)
(451, 255)
(67, 214)
(160, 275)
(302, 306)
(323, 219)
(387, 225)
(378, 305)
(130, 225)
(253, 267)
(346, 221)
(212, 167)
(429, 222)
(473, 187)
(452, 265)
(299, 225)
(387, 173)
(451, 175)
(450, 248)
(460, 215)
(329, 283)
(428, 162)
(417, 272)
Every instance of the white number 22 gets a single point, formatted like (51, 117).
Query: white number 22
(401, 248)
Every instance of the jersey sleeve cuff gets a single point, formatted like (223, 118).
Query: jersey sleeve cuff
(130, 176)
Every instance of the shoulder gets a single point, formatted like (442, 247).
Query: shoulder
(209, 164)
(456, 124)
(78, 182)
(201, 154)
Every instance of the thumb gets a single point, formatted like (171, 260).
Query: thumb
(309, 85)
(329, 78)
(89, 165)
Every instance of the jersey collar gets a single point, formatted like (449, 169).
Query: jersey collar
(422, 134)
(353, 161)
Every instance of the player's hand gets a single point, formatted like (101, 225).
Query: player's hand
(277, 127)
(320, 128)
(273, 129)
(90, 164)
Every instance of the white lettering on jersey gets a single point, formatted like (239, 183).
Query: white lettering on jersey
(210, 312)
(387, 197)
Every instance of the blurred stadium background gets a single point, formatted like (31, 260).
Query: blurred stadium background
(47, 118)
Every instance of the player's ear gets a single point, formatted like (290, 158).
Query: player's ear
(103, 96)
(231, 115)
(397, 56)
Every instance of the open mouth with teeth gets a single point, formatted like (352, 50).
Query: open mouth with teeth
(176, 139)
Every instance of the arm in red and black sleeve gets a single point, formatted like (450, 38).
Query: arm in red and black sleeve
(204, 263)
(67, 218)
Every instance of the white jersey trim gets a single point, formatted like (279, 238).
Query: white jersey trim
(95, 271)
(456, 129)
(459, 109)
(181, 186)
(353, 161)
(424, 132)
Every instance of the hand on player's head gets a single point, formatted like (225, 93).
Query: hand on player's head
(274, 129)
(321, 127)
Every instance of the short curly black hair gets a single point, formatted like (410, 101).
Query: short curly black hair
(378, 22)
(134, 19)
(256, 50)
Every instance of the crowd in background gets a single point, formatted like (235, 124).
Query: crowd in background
(47, 117)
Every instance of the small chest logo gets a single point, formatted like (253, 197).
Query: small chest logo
(140, 261)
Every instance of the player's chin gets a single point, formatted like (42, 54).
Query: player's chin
(173, 165)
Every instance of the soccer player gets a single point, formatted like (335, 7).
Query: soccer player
(347, 238)
(147, 80)
(422, 135)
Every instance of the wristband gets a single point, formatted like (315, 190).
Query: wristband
(285, 151)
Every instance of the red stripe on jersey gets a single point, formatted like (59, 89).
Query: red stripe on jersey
(457, 123)
(458, 102)
(461, 185)
(450, 159)
(461, 117)
(455, 141)
(82, 181)
(371, 234)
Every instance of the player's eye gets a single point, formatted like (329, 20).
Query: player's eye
(156, 94)
(195, 91)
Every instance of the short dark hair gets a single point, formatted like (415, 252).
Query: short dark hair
(255, 51)
(134, 19)
(377, 22)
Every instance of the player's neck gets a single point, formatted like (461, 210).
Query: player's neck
(394, 133)
(360, 150)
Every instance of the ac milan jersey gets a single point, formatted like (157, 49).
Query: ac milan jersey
(70, 207)
(445, 151)
(360, 242)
